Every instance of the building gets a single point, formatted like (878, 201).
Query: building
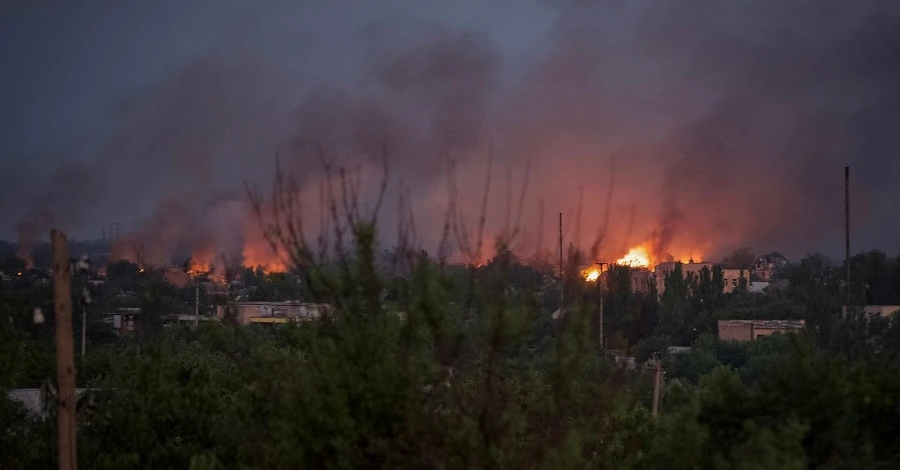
(767, 266)
(880, 310)
(758, 287)
(186, 319)
(641, 279)
(215, 289)
(748, 330)
(665, 268)
(123, 320)
(38, 401)
(732, 279)
(276, 312)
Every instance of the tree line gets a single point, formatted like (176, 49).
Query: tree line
(429, 364)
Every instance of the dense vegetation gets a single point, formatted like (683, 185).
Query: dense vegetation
(432, 365)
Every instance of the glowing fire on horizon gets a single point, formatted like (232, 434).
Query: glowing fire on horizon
(637, 257)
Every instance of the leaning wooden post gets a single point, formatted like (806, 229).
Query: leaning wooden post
(657, 384)
(65, 352)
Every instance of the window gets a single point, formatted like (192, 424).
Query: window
(734, 282)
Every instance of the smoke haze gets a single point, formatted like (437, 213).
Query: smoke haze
(728, 122)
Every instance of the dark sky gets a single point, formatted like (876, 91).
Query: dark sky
(730, 122)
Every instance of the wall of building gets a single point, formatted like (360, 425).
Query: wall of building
(732, 279)
(664, 269)
(747, 330)
(247, 311)
(640, 280)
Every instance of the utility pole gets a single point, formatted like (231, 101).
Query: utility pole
(847, 230)
(657, 383)
(82, 268)
(600, 290)
(562, 273)
(197, 303)
(83, 327)
(65, 354)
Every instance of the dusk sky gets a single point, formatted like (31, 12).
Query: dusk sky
(727, 123)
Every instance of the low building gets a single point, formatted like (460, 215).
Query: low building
(733, 277)
(186, 319)
(758, 287)
(880, 310)
(748, 330)
(662, 270)
(267, 312)
(767, 266)
(672, 350)
(123, 320)
(641, 280)
(215, 289)
(39, 401)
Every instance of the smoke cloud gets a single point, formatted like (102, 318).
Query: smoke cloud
(729, 124)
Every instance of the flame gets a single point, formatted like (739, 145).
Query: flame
(637, 257)
(198, 266)
(591, 274)
(642, 256)
(259, 254)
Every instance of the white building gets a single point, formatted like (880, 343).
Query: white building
(277, 312)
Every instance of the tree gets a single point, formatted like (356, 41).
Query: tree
(673, 306)
(741, 258)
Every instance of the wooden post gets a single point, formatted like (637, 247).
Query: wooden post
(65, 352)
(657, 366)
(562, 271)
(847, 230)
(600, 292)
(197, 305)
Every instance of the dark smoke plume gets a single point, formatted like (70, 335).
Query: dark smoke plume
(730, 122)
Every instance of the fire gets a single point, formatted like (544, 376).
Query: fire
(637, 257)
(591, 274)
(642, 256)
(260, 254)
(198, 266)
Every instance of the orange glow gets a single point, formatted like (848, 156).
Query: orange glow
(202, 259)
(642, 256)
(591, 274)
(260, 254)
(637, 257)
(198, 267)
